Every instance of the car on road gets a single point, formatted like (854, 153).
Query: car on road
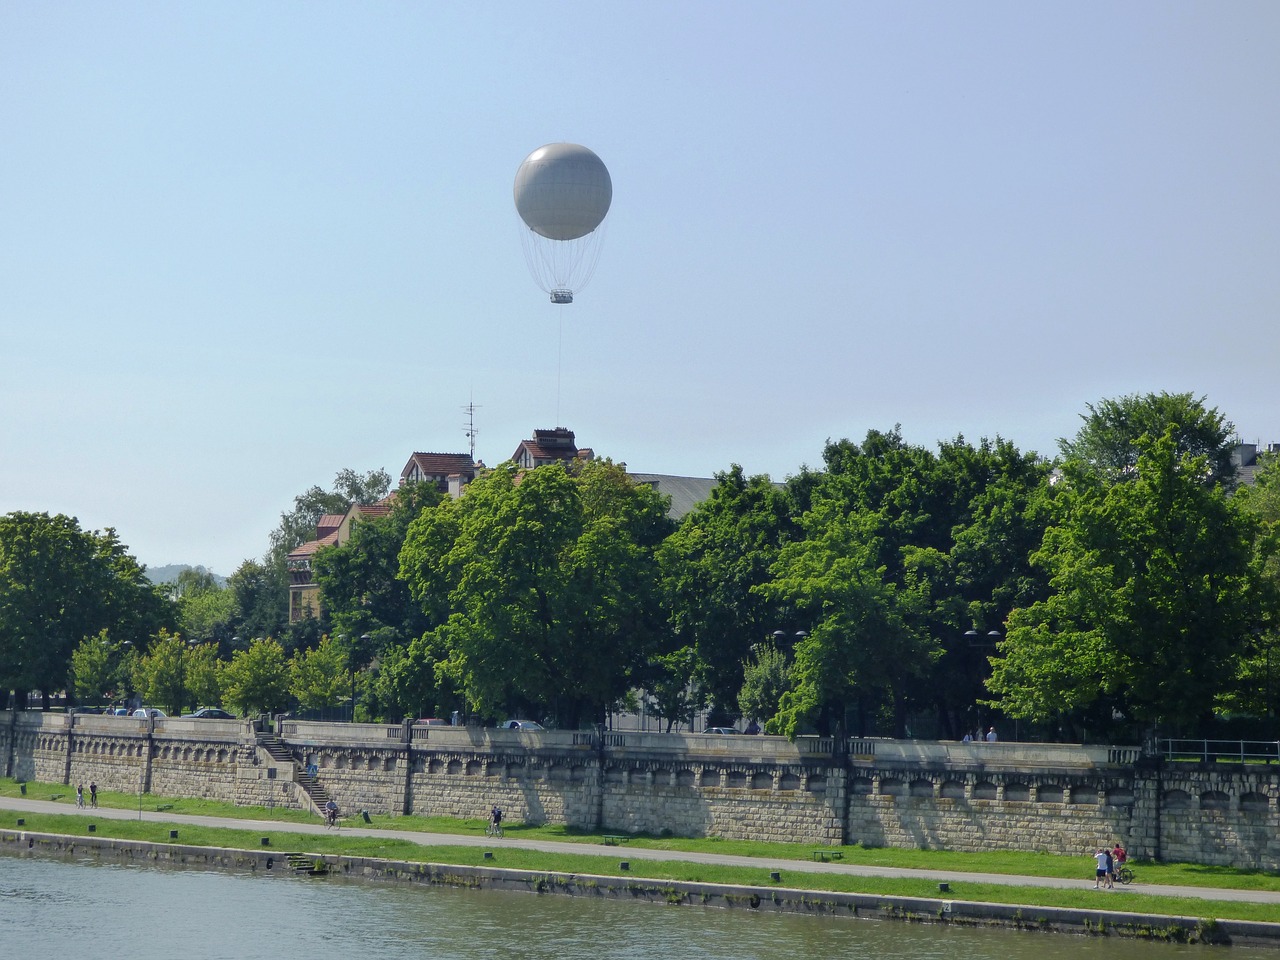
(210, 713)
(144, 712)
(727, 731)
(433, 722)
(523, 725)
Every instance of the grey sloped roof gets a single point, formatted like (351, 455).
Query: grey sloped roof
(685, 492)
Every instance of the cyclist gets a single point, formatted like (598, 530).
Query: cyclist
(331, 813)
(1118, 859)
(495, 821)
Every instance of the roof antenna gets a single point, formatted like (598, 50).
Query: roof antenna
(470, 410)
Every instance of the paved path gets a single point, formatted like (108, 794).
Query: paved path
(640, 853)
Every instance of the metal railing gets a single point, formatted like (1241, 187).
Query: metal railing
(1222, 751)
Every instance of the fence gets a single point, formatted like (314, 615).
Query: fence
(1222, 751)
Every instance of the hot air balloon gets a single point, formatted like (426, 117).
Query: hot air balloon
(562, 194)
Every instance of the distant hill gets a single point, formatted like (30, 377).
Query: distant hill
(169, 573)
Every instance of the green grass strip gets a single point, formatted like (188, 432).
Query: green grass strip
(1004, 862)
(339, 844)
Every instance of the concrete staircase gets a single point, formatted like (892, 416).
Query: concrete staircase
(310, 785)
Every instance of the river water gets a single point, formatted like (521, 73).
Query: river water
(67, 909)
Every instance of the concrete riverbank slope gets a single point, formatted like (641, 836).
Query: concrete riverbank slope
(767, 898)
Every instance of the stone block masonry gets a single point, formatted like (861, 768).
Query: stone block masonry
(1059, 798)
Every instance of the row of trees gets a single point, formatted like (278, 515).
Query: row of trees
(895, 589)
(177, 674)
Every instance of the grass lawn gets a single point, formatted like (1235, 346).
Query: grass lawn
(997, 862)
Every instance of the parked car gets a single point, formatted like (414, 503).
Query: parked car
(722, 730)
(210, 713)
(523, 725)
(144, 712)
(434, 722)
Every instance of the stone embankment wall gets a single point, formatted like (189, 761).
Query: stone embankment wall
(1059, 798)
(218, 760)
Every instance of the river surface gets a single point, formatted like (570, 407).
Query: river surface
(55, 908)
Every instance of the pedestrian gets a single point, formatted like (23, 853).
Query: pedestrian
(1100, 873)
(968, 737)
(80, 796)
(991, 735)
(1110, 878)
(93, 794)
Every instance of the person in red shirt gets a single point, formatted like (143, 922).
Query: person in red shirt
(1118, 857)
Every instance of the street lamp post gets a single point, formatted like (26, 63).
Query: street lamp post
(364, 641)
(978, 641)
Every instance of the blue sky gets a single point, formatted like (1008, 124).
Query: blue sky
(246, 245)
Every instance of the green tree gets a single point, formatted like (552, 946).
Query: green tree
(549, 585)
(192, 581)
(60, 584)
(710, 568)
(1108, 440)
(932, 544)
(766, 677)
(298, 526)
(93, 668)
(1257, 687)
(318, 677)
(209, 614)
(204, 671)
(673, 687)
(1154, 594)
(359, 583)
(257, 680)
(261, 594)
(872, 581)
(162, 672)
(415, 680)
(262, 588)
(996, 513)
(860, 648)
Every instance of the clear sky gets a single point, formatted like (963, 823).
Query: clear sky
(244, 245)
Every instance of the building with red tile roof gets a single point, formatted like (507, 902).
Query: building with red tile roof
(332, 530)
(557, 445)
(450, 472)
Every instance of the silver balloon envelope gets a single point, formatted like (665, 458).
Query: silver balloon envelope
(563, 191)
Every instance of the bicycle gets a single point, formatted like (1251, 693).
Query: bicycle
(493, 829)
(1124, 875)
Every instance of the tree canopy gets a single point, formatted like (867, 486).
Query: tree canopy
(711, 567)
(1154, 592)
(60, 584)
(1108, 442)
(545, 584)
(897, 589)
